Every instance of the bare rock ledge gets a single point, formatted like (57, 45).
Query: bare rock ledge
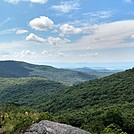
(48, 127)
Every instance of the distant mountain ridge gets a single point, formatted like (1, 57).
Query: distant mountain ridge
(98, 72)
(15, 69)
(87, 69)
(96, 105)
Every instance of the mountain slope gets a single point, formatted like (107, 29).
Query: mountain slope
(99, 106)
(114, 89)
(30, 92)
(15, 69)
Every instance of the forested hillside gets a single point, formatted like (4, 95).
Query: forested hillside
(102, 106)
(15, 69)
(115, 89)
(30, 92)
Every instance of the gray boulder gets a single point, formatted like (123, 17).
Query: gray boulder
(48, 127)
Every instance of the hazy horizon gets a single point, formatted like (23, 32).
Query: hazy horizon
(67, 31)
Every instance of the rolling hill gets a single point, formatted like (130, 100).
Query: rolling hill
(15, 69)
(30, 92)
(115, 89)
(100, 106)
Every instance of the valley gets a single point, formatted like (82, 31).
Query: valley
(99, 106)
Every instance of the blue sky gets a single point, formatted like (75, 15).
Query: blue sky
(89, 31)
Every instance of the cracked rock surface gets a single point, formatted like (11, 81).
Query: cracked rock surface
(48, 127)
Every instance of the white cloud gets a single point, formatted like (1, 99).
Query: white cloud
(39, 1)
(61, 54)
(99, 14)
(13, 30)
(21, 31)
(25, 54)
(66, 7)
(44, 52)
(7, 31)
(12, 1)
(56, 41)
(109, 35)
(50, 40)
(32, 1)
(12, 45)
(42, 23)
(95, 54)
(132, 36)
(69, 29)
(33, 37)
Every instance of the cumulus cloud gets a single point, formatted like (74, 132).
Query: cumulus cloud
(56, 41)
(32, 1)
(33, 37)
(25, 53)
(50, 40)
(67, 6)
(69, 29)
(42, 23)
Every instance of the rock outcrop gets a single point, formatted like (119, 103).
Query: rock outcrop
(48, 127)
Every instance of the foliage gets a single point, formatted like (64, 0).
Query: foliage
(15, 119)
(98, 119)
(31, 92)
(96, 104)
(102, 106)
(113, 129)
(114, 89)
(15, 69)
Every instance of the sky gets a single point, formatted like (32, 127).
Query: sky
(67, 31)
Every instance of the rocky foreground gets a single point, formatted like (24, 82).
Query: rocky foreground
(48, 127)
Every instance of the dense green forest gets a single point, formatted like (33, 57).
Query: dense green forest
(100, 106)
(115, 89)
(15, 69)
(31, 92)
